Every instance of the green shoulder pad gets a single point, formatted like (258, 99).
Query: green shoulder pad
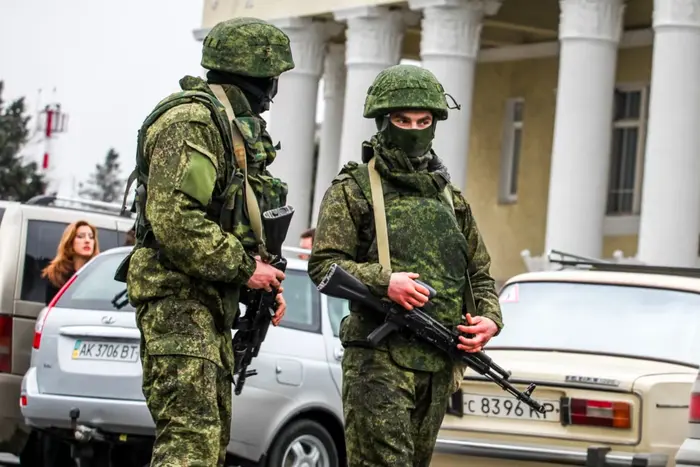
(458, 200)
(341, 177)
(183, 112)
(360, 173)
(173, 101)
(349, 167)
(345, 172)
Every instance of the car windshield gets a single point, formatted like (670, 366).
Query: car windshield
(95, 287)
(646, 322)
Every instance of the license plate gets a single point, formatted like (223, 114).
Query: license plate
(508, 407)
(107, 351)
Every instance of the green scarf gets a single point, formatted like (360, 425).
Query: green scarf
(423, 174)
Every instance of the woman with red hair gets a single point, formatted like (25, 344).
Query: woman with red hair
(77, 246)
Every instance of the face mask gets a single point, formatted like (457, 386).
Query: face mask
(258, 91)
(414, 143)
(268, 93)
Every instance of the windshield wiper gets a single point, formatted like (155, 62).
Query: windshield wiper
(120, 300)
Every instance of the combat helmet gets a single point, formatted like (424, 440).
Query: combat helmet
(405, 87)
(247, 46)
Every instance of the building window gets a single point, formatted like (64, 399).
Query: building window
(627, 152)
(510, 157)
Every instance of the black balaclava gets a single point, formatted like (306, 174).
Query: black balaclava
(415, 143)
(258, 91)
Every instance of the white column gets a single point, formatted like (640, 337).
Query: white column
(374, 36)
(589, 33)
(329, 145)
(293, 117)
(450, 40)
(669, 226)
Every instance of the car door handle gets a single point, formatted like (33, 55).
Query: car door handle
(338, 353)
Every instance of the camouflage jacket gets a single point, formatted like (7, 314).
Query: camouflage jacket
(195, 259)
(423, 238)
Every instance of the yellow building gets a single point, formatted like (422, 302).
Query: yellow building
(574, 113)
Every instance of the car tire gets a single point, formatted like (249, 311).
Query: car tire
(306, 439)
(43, 450)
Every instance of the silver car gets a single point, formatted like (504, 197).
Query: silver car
(84, 384)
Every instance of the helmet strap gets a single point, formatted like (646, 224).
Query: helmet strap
(456, 105)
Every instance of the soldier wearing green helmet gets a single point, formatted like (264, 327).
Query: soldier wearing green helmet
(406, 222)
(197, 248)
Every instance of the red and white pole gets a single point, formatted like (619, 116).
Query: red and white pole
(54, 123)
(47, 133)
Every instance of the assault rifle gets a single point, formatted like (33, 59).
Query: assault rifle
(260, 305)
(340, 284)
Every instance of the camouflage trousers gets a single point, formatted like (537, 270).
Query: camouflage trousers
(392, 414)
(190, 402)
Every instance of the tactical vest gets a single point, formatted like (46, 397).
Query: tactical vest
(444, 254)
(229, 208)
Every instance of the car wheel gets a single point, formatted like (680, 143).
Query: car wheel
(304, 443)
(44, 450)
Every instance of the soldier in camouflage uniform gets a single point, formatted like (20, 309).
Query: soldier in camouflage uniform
(394, 396)
(195, 248)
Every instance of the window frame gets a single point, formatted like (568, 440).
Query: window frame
(508, 171)
(640, 124)
(628, 223)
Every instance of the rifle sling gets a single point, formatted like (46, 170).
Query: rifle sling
(375, 183)
(240, 154)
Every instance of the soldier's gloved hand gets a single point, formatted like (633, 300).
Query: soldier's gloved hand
(405, 291)
(265, 276)
(281, 307)
(483, 330)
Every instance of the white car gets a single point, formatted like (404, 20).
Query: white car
(83, 388)
(614, 356)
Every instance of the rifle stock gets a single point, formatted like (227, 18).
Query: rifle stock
(260, 305)
(340, 284)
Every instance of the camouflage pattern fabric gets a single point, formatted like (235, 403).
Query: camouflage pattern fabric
(190, 403)
(248, 47)
(405, 87)
(392, 415)
(424, 237)
(405, 379)
(186, 287)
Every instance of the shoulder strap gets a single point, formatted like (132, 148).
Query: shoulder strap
(379, 216)
(240, 154)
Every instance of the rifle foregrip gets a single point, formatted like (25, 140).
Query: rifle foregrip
(431, 290)
(376, 336)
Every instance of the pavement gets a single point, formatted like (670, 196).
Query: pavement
(8, 459)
